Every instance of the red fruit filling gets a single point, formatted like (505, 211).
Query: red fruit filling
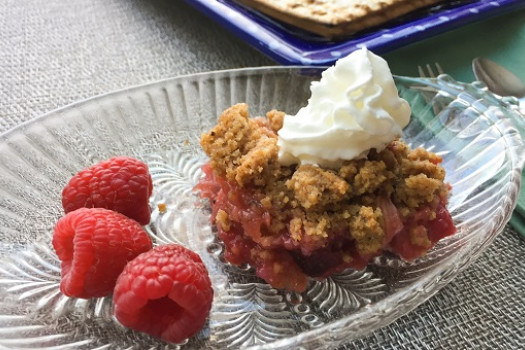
(286, 264)
(421, 232)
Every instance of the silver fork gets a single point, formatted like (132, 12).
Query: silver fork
(430, 71)
(430, 94)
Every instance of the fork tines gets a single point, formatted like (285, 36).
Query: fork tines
(430, 71)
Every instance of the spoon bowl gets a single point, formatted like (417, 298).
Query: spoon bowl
(497, 78)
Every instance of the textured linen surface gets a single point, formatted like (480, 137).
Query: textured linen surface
(53, 53)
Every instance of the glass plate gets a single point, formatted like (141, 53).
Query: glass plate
(289, 45)
(160, 123)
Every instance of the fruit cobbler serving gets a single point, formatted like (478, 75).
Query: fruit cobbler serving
(329, 188)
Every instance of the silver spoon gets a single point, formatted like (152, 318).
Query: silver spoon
(498, 79)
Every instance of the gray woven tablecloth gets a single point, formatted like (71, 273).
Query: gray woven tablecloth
(56, 52)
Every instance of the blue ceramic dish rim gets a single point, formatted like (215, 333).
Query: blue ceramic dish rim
(285, 47)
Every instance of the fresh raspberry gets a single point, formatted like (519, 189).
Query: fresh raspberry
(165, 292)
(121, 184)
(94, 245)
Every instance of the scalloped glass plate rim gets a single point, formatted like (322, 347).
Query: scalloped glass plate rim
(454, 266)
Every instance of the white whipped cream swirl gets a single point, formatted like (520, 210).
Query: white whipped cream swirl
(353, 108)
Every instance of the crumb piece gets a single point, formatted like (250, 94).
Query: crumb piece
(266, 202)
(253, 163)
(386, 156)
(239, 148)
(313, 186)
(318, 227)
(418, 236)
(162, 207)
(276, 119)
(422, 154)
(367, 229)
(223, 220)
(416, 166)
(225, 143)
(349, 170)
(398, 148)
(418, 189)
(370, 177)
(296, 228)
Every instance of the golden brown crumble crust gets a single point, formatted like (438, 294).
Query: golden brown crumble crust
(311, 201)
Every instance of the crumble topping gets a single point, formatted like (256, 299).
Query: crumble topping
(366, 228)
(275, 119)
(311, 202)
(241, 148)
(315, 187)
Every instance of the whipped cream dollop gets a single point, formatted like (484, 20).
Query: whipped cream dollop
(353, 108)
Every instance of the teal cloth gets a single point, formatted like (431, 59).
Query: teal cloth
(500, 39)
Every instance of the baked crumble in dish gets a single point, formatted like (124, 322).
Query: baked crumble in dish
(300, 221)
(326, 189)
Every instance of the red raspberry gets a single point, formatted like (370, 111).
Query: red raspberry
(121, 184)
(165, 292)
(94, 245)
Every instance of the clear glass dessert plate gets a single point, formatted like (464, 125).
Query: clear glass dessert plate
(160, 123)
